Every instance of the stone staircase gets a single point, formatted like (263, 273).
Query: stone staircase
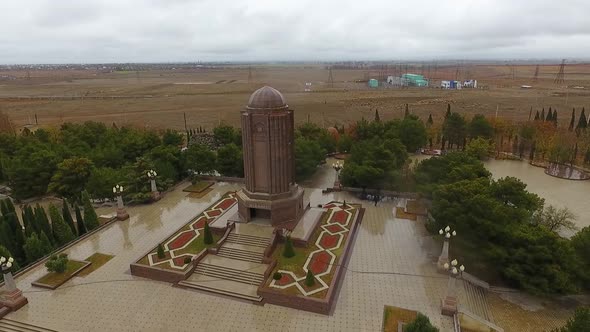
(474, 299)
(4, 311)
(240, 254)
(222, 272)
(9, 325)
(249, 240)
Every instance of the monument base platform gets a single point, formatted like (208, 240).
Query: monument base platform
(122, 215)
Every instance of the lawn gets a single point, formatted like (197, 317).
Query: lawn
(416, 207)
(56, 279)
(197, 245)
(394, 315)
(198, 187)
(97, 261)
(399, 213)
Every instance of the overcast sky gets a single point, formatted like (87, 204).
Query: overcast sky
(76, 31)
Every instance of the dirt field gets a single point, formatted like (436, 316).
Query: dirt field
(208, 96)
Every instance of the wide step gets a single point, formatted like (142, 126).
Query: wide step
(221, 272)
(249, 240)
(9, 325)
(242, 255)
(192, 285)
(476, 299)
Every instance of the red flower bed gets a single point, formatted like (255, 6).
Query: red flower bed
(329, 241)
(181, 240)
(320, 262)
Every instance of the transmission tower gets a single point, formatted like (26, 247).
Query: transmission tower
(457, 72)
(249, 74)
(560, 78)
(28, 77)
(330, 78)
(536, 77)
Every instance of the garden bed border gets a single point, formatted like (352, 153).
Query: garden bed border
(37, 283)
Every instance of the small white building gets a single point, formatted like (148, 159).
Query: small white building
(445, 84)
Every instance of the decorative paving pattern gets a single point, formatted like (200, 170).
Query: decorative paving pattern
(173, 247)
(321, 261)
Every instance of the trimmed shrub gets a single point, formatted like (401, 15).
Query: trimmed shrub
(420, 324)
(187, 260)
(277, 276)
(309, 278)
(57, 264)
(161, 254)
(208, 237)
(288, 251)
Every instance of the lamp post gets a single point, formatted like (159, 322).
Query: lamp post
(449, 304)
(152, 176)
(121, 213)
(337, 166)
(10, 296)
(444, 255)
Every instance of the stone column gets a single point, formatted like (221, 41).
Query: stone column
(155, 192)
(444, 256)
(449, 304)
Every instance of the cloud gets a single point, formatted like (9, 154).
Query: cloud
(42, 31)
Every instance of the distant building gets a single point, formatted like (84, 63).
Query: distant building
(470, 84)
(373, 83)
(415, 79)
(451, 84)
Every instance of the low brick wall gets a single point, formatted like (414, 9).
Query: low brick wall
(321, 306)
(156, 273)
(222, 178)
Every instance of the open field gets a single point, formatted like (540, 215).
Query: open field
(208, 96)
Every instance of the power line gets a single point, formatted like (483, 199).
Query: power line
(330, 78)
(560, 78)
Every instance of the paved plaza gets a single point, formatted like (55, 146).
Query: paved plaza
(389, 266)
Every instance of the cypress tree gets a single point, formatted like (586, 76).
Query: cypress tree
(90, 217)
(429, 121)
(582, 122)
(6, 239)
(288, 251)
(33, 248)
(448, 111)
(554, 118)
(61, 231)
(377, 118)
(18, 238)
(67, 215)
(549, 115)
(10, 206)
(29, 221)
(537, 116)
(80, 222)
(407, 112)
(161, 254)
(43, 222)
(573, 120)
(543, 114)
(46, 244)
(309, 278)
(207, 237)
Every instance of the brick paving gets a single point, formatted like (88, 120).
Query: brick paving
(111, 299)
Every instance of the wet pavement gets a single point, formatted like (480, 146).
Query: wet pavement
(389, 266)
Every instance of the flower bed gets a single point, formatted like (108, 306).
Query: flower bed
(328, 249)
(187, 242)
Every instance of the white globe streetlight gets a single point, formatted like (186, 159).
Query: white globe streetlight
(447, 233)
(449, 304)
(152, 176)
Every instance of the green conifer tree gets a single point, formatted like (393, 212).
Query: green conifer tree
(407, 111)
(309, 278)
(33, 248)
(18, 238)
(61, 231)
(288, 251)
(65, 210)
(207, 236)
(582, 122)
(43, 223)
(448, 111)
(90, 217)
(80, 222)
(573, 120)
(542, 114)
(429, 121)
(537, 116)
(161, 254)
(377, 118)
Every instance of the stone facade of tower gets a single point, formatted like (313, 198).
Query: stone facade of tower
(269, 163)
